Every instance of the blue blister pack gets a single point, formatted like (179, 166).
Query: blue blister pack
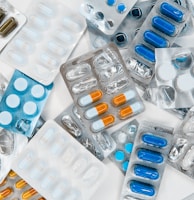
(160, 29)
(124, 138)
(22, 104)
(147, 162)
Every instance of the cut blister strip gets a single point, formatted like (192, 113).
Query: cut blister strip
(77, 169)
(22, 104)
(147, 162)
(38, 52)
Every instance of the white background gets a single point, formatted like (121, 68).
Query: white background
(174, 185)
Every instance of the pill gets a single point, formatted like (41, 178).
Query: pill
(128, 147)
(184, 82)
(164, 26)
(30, 108)
(8, 26)
(28, 194)
(155, 39)
(41, 198)
(20, 84)
(111, 2)
(12, 174)
(2, 15)
(142, 188)
(5, 118)
(146, 172)
(96, 111)
(12, 101)
(119, 156)
(20, 184)
(145, 52)
(125, 166)
(6, 192)
(130, 110)
(123, 98)
(154, 140)
(164, 74)
(3, 183)
(150, 156)
(121, 8)
(171, 12)
(102, 123)
(37, 91)
(90, 98)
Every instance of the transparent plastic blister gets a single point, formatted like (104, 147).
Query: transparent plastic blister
(101, 89)
(160, 29)
(147, 162)
(38, 50)
(11, 21)
(71, 172)
(15, 188)
(3, 85)
(100, 145)
(22, 104)
(190, 197)
(106, 15)
(174, 77)
(181, 155)
(124, 138)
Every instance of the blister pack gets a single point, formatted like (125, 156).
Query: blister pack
(15, 188)
(147, 162)
(3, 85)
(22, 104)
(160, 29)
(67, 174)
(101, 144)
(38, 51)
(124, 138)
(190, 197)
(182, 152)
(11, 21)
(101, 89)
(106, 15)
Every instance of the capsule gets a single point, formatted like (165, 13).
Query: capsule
(96, 111)
(130, 110)
(150, 156)
(145, 52)
(102, 123)
(6, 192)
(154, 140)
(123, 98)
(164, 26)
(12, 174)
(146, 172)
(171, 12)
(142, 188)
(90, 98)
(8, 26)
(155, 39)
(41, 198)
(2, 15)
(20, 184)
(29, 193)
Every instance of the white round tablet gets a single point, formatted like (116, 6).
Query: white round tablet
(30, 108)
(37, 91)
(5, 118)
(122, 137)
(20, 84)
(166, 72)
(185, 82)
(12, 101)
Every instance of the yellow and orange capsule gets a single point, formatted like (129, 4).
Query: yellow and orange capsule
(96, 110)
(41, 198)
(20, 184)
(12, 174)
(102, 123)
(5, 193)
(29, 193)
(123, 98)
(90, 98)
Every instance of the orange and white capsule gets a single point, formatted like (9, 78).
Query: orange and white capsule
(90, 98)
(12, 174)
(130, 109)
(96, 111)
(6, 192)
(102, 123)
(29, 193)
(123, 98)
(20, 184)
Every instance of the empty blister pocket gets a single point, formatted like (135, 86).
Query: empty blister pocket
(68, 173)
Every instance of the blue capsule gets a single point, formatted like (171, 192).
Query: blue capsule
(142, 188)
(150, 156)
(154, 140)
(171, 12)
(146, 172)
(145, 52)
(155, 39)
